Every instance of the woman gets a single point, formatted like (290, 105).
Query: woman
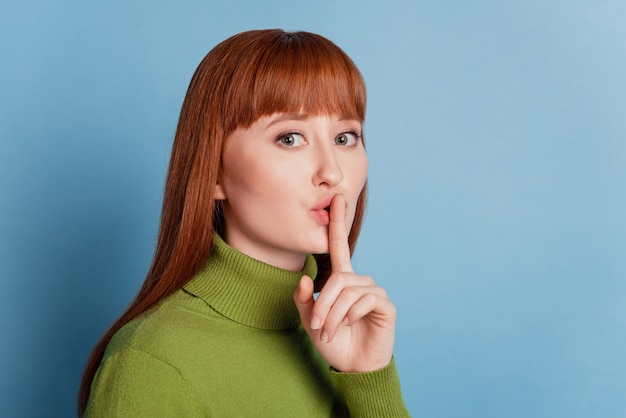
(267, 168)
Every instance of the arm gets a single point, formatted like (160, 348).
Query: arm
(133, 383)
(373, 394)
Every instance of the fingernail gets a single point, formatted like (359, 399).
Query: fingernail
(324, 337)
(315, 323)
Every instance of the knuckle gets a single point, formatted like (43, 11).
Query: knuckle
(369, 280)
(351, 292)
(370, 298)
(319, 310)
(367, 302)
(364, 305)
(340, 278)
(332, 318)
(392, 310)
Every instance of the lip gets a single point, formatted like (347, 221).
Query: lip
(324, 203)
(321, 215)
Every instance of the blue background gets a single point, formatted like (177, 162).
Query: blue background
(497, 141)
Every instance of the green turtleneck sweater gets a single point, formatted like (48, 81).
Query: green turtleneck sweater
(230, 344)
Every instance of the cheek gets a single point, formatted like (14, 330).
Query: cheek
(358, 174)
(358, 177)
(258, 180)
(364, 170)
(241, 170)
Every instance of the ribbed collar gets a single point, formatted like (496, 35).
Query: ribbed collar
(249, 291)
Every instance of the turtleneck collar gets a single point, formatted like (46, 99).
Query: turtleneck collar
(249, 291)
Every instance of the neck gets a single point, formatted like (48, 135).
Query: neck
(268, 254)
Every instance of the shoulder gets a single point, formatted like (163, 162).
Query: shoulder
(170, 331)
(147, 362)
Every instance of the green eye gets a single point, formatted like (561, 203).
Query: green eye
(291, 140)
(287, 140)
(346, 139)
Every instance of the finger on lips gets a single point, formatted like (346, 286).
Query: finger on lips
(344, 289)
(338, 236)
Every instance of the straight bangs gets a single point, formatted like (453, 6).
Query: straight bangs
(294, 73)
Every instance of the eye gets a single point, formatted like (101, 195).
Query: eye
(347, 139)
(291, 140)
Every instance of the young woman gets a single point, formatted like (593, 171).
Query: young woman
(263, 205)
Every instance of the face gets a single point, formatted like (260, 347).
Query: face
(279, 175)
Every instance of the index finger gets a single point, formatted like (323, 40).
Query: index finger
(338, 236)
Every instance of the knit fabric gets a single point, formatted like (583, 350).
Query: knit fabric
(230, 344)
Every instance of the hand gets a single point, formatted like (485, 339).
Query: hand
(352, 322)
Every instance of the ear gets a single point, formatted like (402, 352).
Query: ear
(218, 192)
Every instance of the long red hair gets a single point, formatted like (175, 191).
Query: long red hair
(245, 77)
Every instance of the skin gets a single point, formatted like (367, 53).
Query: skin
(352, 322)
(275, 172)
(276, 175)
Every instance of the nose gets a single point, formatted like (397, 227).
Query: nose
(329, 172)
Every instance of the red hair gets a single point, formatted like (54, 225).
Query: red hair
(247, 76)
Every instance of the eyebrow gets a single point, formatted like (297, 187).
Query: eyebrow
(288, 116)
(298, 117)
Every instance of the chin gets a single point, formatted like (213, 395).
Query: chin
(318, 247)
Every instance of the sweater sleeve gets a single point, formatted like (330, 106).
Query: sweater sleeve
(372, 394)
(133, 383)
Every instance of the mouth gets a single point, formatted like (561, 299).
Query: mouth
(324, 204)
(321, 211)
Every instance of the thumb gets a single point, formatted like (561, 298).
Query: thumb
(303, 297)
